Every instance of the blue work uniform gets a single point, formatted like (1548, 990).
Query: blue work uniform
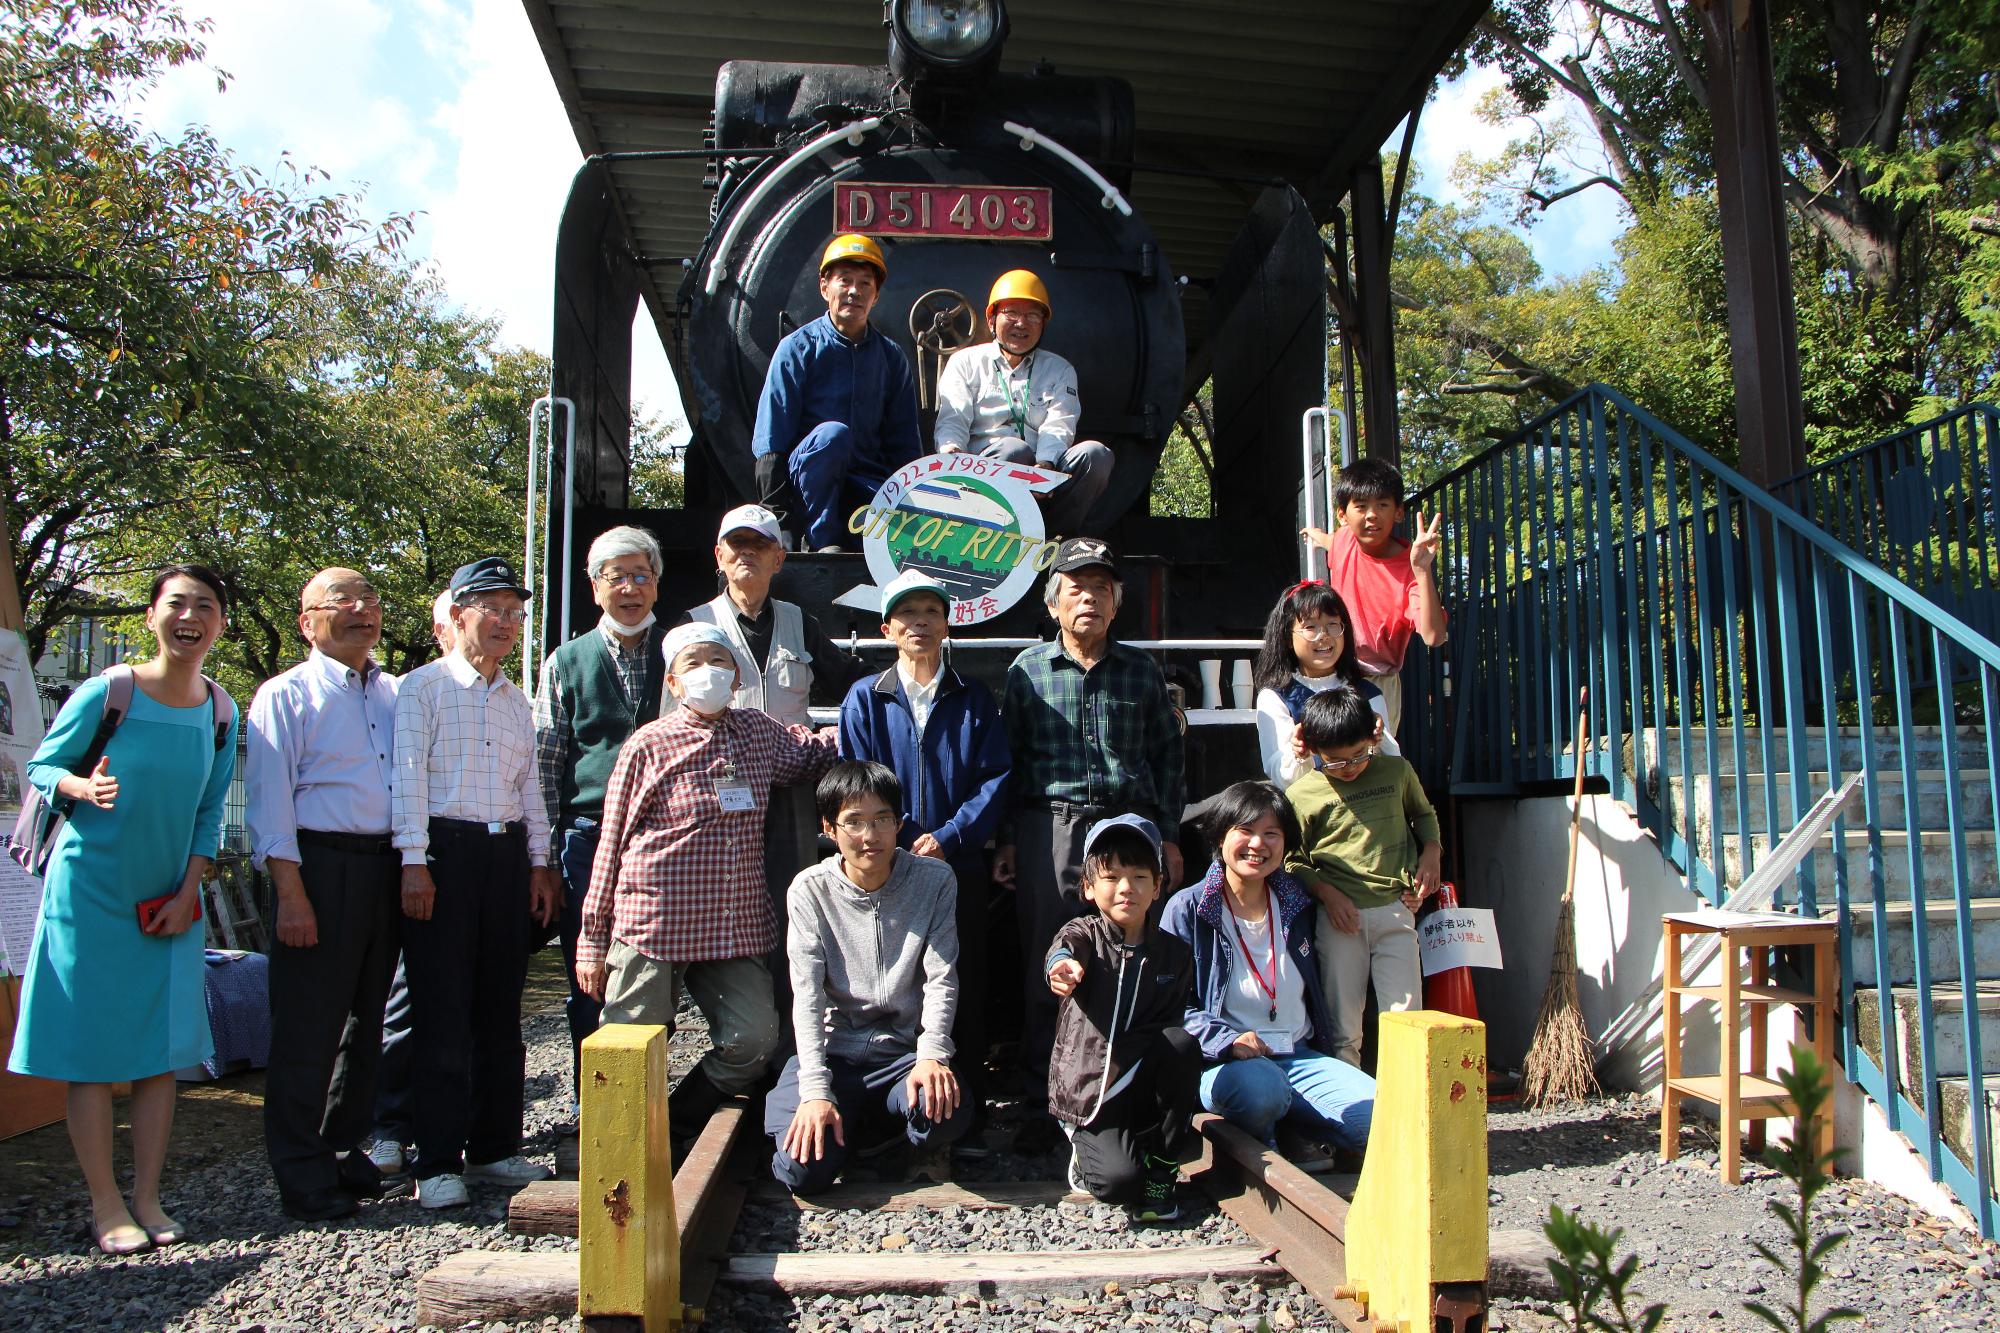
(842, 413)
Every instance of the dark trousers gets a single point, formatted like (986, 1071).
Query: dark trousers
(1150, 1117)
(578, 848)
(1048, 852)
(466, 966)
(791, 843)
(326, 1015)
(395, 1111)
(874, 1108)
(971, 1026)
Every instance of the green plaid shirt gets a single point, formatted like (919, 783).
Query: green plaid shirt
(1105, 738)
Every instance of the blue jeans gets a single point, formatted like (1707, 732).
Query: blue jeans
(1325, 1098)
(579, 849)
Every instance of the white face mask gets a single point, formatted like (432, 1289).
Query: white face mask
(610, 626)
(707, 689)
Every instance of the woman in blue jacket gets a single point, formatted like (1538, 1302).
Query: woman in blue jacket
(941, 734)
(1258, 1008)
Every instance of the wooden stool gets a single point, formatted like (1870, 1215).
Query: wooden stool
(1743, 1093)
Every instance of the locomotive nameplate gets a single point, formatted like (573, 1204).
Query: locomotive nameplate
(957, 212)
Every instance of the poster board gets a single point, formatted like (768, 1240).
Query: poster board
(25, 1103)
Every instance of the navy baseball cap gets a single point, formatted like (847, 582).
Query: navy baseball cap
(492, 574)
(1139, 822)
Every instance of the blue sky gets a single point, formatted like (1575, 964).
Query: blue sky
(444, 108)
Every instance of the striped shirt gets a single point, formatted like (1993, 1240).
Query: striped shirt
(677, 877)
(465, 749)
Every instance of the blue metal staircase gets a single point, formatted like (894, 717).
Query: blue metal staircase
(1742, 659)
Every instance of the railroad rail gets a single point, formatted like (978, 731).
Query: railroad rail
(1419, 1259)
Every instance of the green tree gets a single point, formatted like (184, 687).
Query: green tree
(1888, 129)
(151, 294)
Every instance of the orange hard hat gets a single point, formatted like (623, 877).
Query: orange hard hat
(855, 249)
(1017, 285)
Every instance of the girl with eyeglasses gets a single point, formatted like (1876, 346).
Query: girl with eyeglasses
(1308, 649)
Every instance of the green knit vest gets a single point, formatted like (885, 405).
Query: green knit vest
(600, 717)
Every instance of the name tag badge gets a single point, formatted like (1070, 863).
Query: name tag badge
(735, 796)
(1278, 1039)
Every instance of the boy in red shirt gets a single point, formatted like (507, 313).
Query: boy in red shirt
(1385, 581)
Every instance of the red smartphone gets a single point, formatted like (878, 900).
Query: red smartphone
(152, 907)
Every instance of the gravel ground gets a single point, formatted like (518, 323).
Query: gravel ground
(251, 1270)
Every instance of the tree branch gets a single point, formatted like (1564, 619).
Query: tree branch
(1902, 75)
(1544, 200)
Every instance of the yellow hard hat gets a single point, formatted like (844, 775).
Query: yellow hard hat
(1017, 285)
(861, 249)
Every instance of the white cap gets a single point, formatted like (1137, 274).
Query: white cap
(686, 636)
(909, 581)
(754, 517)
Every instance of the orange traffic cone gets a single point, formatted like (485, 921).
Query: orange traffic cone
(1450, 991)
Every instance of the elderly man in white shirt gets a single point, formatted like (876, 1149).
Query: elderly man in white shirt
(317, 780)
(474, 837)
(1015, 400)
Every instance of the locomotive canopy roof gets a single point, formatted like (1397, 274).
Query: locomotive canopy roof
(1301, 90)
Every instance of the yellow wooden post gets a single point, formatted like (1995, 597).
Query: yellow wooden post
(630, 1261)
(1419, 1214)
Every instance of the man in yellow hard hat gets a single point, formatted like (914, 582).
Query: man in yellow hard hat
(839, 408)
(1014, 399)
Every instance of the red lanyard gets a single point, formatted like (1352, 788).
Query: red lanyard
(1270, 988)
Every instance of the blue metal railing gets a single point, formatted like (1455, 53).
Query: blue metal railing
(1739, 661)
(1921, 504)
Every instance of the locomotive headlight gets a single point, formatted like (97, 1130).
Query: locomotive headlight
(945, 41)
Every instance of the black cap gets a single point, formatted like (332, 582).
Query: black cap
(1081, 553)
(493, 574)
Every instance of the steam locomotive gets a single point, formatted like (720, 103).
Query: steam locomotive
(961, 174)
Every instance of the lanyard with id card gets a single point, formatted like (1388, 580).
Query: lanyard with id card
(733, 792)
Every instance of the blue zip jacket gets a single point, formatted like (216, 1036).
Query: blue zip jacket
(1196, 913)
(819, 374)
(955, 778)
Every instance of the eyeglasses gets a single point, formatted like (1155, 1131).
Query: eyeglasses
(1349, 765)
(360, 601)
(612, 578)
(516, 616)
(1023, 316)
(1332, 629)
(879, 824)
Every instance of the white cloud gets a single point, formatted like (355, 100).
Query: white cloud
(1575, 234)
(439, 108)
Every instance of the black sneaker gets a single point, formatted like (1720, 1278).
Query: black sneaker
(972, 1147)
(1159, 1204)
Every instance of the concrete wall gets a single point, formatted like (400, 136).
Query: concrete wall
(1515, 852)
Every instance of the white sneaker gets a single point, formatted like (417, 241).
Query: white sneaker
(387, 1156)
(507, 1171)
(442, 1192)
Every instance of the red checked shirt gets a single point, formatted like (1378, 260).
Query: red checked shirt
(677, 877)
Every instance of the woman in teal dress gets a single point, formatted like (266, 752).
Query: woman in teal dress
(103, 1001)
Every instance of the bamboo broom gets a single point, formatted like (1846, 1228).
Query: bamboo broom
(1561, 1065)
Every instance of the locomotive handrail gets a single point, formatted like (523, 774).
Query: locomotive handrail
(1032, 138)
(718, 268)
(544, 408)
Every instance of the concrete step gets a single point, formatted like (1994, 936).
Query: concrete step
(1975, 791)
(1941, 935)
(1927, 749)
(1982, 862)
(1958, 1122)
(1949, 1010)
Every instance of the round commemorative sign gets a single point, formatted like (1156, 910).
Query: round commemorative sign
(969, 522)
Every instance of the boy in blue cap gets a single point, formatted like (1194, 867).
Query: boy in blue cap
(1124, 1071)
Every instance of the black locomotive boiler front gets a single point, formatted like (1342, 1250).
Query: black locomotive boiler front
(940, 176)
